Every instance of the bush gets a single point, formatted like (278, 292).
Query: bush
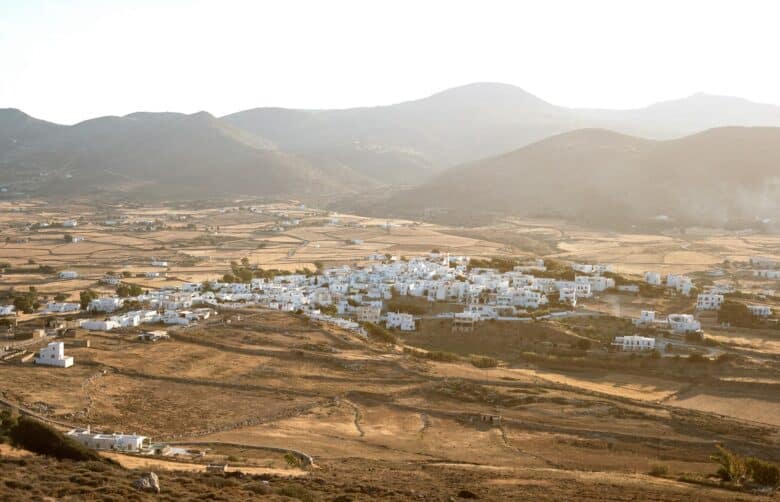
(694, 337)
(732, 466)
(86, 296)
(659, 470)
(484, 362)
(763, 473)
(379, 333)
(296, 492)
(583, 344)
(37, 437)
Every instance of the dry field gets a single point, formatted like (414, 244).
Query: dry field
(379, 421)
(268, 379)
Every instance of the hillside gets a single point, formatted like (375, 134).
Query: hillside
(353, 155)
(717, 177)
(475, 121)
(162, 155)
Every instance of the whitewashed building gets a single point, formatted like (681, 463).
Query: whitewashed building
(709, 301)
(68, 274)
(653, 278)
(369, 313)
(683, 323)
(404, 322)
(568, 296)
(760, 310)
(646, 318)
(54, 355)
(634, 343)
(105, 304)
(61, 308)
(116, 441)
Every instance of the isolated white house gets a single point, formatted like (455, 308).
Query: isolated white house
(54, 355)
(70, 223)
(7, 310)
(634, 342)
(68, 274)
(98, 441)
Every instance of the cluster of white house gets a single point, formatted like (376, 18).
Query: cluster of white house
(360, 292)
(682, 283)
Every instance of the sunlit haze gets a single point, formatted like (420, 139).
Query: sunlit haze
(70, 61)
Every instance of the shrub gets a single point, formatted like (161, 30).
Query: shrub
(732, 466)
(583, 344)
(292, 459)
(379, 333)
(296, 492)
(484, 362)
(659, 470)
(763, 473)
(41, 438)
(86, 296)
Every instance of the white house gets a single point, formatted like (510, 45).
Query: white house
(568, 296)
(683, 323)
(68, 274)
(760, 310)
(767, 274)
(7, 310)
(159, 263)
(762, 262)
(105, 304)
(368, 313)
(54, 355)
(97, 441)
(653, 278)
(709, 301)
(646, 318)
(60, 308)
(404, 322)
(634, 342)
(99, 325)
(70, 223)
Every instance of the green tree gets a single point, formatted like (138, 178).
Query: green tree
(86, 296)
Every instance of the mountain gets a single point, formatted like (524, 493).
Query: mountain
(716, 177)
(408, 142)
(162, 155)
(352, 155)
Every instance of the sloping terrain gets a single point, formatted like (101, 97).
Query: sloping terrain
(720, 176)
(161, 155)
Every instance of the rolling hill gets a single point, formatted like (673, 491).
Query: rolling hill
(162, 155)
(361, 154)
(717, 177)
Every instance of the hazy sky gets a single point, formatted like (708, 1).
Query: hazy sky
(67, 61)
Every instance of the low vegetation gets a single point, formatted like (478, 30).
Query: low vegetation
(30, 434)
